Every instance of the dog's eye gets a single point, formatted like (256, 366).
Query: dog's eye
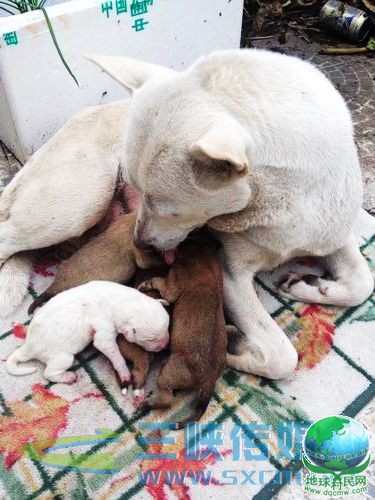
(156, 203)
(175, 214)
(226, 165)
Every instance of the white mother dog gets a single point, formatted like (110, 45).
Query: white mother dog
(63, 190)
(259, 145)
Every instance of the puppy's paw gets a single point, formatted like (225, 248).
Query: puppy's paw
(142, 400)
(139, 398)
(124, 376)
(139, 393)
(69, 378)
(124, 390)
(146, 286)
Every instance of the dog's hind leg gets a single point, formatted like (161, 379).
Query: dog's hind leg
(265, 349)
(10, 241)
(174, 375)
(351, 284)
(56, 369)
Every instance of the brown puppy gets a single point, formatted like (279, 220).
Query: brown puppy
(140, 360)
(111, 256)
(198, 336)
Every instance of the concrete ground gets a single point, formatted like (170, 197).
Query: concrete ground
(353, 76)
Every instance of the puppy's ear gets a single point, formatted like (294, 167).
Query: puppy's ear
(223, 147)
(131, 73)
(163, 302)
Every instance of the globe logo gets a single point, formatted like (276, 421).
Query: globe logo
(336, 444)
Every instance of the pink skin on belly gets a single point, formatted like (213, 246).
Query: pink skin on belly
(132, 197)
(130, 201)
(114, 212)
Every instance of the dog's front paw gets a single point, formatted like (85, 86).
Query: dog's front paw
(287, 282)
(304, 287)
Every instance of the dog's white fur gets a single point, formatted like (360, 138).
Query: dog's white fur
(95, 312)
(259, 145)
(63, 190)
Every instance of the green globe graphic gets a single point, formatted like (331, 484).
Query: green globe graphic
(336, 443)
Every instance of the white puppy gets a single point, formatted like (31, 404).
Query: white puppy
(260, 146)
(95, 312)
(64, 189)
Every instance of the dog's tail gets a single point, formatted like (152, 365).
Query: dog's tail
(14, 281)
(42, 299)
(20, 355)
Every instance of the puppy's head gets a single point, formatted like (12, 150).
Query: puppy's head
(184, 153)
(150, 330)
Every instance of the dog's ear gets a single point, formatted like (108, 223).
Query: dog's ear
(131, 73)
(225, 144)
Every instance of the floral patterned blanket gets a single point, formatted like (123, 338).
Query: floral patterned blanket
(86, 440)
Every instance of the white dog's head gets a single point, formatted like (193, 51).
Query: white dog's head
(150, 329)
(183, 152)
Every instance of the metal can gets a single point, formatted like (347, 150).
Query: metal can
(349, 21)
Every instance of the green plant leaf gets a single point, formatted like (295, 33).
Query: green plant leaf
(22, 6)
(8, 5)
(13, 2)
(53, 36)
(6, 10)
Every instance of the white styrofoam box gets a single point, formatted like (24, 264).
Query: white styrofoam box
(37, 95)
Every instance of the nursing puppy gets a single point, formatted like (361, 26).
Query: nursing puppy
(262, 150)
(140, 360)
(111, 256)
(63, 190)
(95, 312)
(198, 336)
